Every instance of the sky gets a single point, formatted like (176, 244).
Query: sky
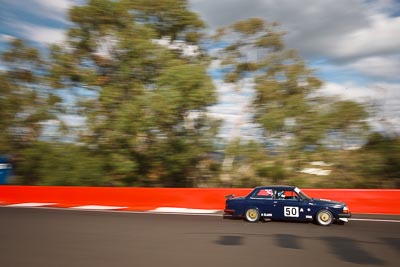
(353, 45)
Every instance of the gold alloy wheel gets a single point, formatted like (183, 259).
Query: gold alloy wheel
(252, 215)
(324, 217)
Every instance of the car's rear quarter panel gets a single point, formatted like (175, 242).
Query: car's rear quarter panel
(237, 205)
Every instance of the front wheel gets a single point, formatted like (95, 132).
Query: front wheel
(252, 215)
(324, 217)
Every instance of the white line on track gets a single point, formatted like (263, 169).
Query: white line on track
(183, 210)
(165, 213)
(180, 213)
(374, 220)
(98, 207)
(31, 204)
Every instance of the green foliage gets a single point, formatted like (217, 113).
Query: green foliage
(381, 158)
(277, 172)
(250, 26)
(344, 114)
(26, 100)
(168, 18)
(287, 108)
(146, 122)
(44, 163)
(179, 90)
(284, 85)
(142, 121)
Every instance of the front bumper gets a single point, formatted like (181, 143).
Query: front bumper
(344, 217)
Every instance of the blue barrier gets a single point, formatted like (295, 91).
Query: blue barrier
(5, 170)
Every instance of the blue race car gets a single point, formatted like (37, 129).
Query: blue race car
(285, 203)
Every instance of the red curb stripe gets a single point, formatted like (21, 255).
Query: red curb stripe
(373, 201)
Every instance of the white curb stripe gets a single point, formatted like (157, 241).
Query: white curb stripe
(183, 210)
(98, 207)
(31, 204)
(374, 220)
(160, 210)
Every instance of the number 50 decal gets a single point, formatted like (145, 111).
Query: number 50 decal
(291, 211)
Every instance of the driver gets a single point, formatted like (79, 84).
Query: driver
(281, 195)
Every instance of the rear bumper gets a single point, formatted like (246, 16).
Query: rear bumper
(229, 214)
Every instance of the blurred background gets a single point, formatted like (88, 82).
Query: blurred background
(200, 93)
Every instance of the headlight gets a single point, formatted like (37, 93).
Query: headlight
(345, 209)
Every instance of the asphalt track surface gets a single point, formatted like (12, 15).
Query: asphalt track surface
(52, 237)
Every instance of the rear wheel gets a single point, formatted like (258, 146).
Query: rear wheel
(324, 217)
(252, 215)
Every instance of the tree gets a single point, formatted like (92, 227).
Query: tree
(148, 118)
(27, 101)
(247, 164)
(284, 105)
(144, 98)
(379, 162)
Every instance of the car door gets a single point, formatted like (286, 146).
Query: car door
(289, 206)
(263, 201)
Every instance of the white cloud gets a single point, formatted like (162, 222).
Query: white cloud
(6, 38)
(54, 9)
(339, 29)
(179, 45)
(349, 91)
(313, 26)
(40, 34)
(380, 67)
(55, 5)
(233, 109)
(380, 36)
(383, 98)
(373, 91)
(357, 40)
(73, 120)
(234, 98)
(360, 36)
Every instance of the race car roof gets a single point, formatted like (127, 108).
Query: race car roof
(281, 187)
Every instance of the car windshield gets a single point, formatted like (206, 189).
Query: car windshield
(302, 194)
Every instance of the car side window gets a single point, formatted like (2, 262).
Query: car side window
(263, 193)
(286, 195)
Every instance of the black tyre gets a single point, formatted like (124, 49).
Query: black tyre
(324, 217)
(252, 215)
